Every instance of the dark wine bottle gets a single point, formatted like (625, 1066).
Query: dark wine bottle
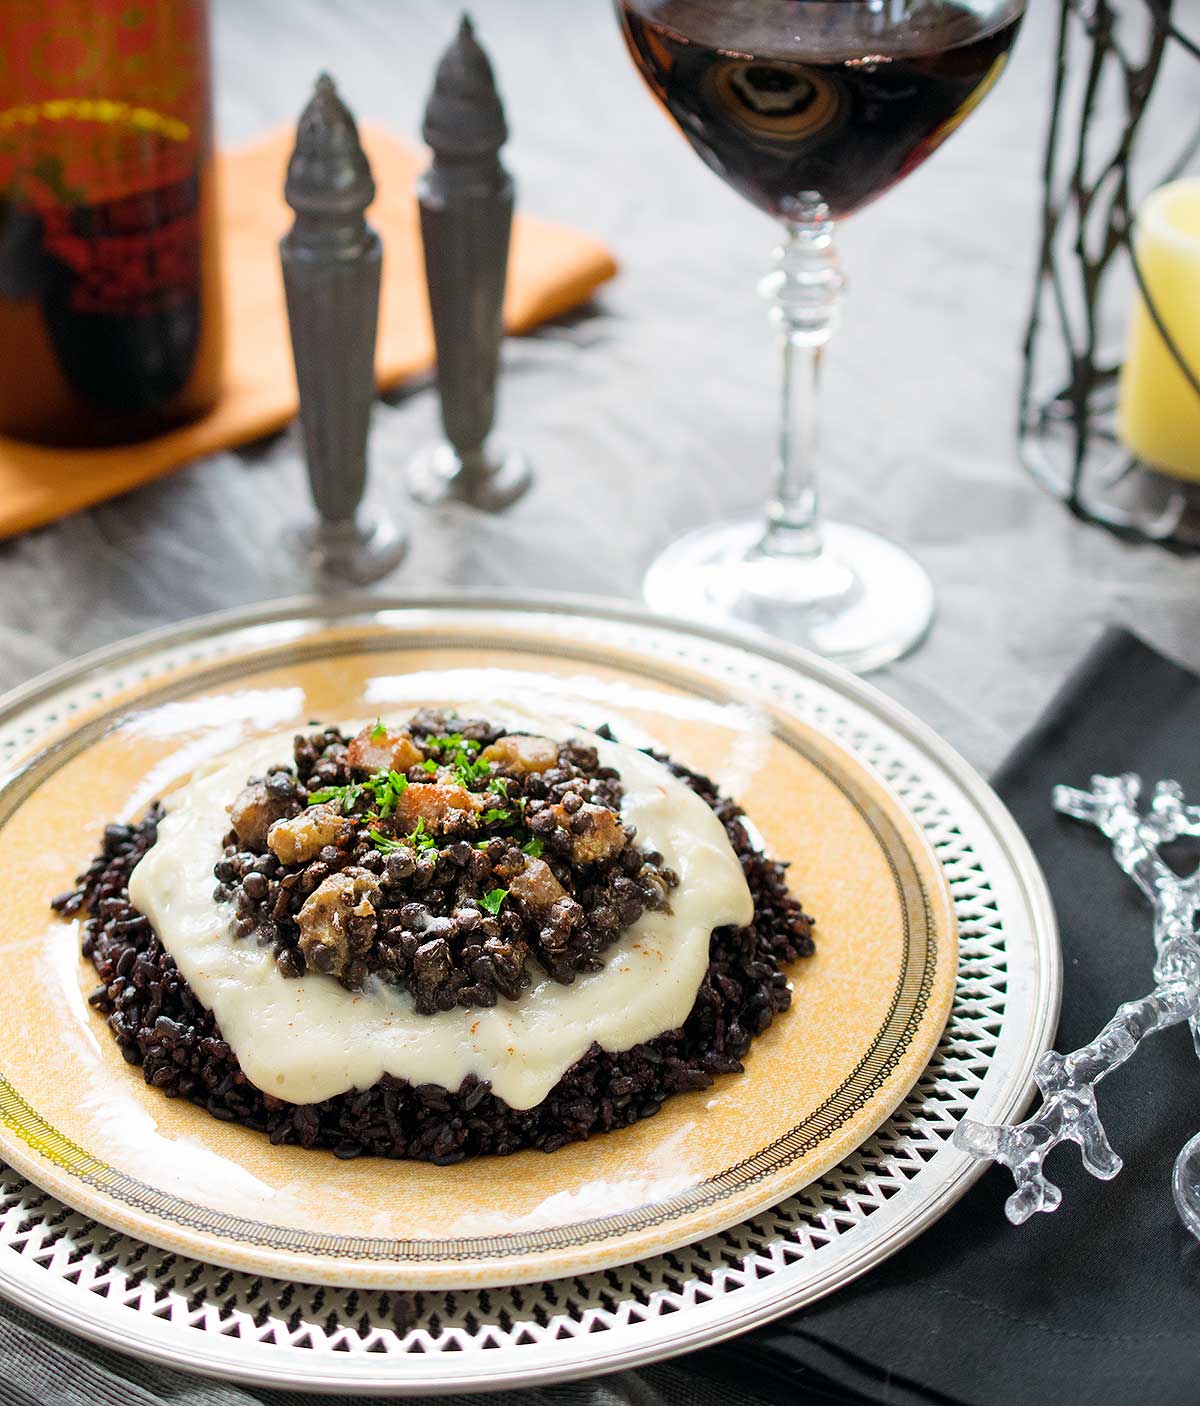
(110, 299)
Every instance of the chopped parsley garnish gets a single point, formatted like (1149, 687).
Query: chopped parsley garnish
(378, 731)
(420, 837)
(430, 765)
(386, 788)
(492, 901)
(452, 742)
(499, 783)
(345, 796)
(466, 771)
(495, 816)
(533, 848)
(458, 751)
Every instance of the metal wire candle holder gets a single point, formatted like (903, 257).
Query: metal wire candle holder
(1088, 269)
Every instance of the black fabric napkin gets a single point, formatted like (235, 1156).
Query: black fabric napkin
(1099, 1301)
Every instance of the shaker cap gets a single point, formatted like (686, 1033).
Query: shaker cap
(465, 117)
(328, 172)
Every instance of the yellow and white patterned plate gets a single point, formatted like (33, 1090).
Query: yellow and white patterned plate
(867, 1013)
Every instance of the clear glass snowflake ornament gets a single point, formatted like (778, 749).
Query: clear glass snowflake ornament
(1068, 1083)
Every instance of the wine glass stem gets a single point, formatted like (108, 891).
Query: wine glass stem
(804, 292)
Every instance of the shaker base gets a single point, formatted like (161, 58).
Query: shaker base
(344, 551)
(490, 481)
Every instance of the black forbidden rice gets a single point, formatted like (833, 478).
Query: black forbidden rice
(160, 1024)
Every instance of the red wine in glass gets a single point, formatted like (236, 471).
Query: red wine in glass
(803, 97)
(811, 109)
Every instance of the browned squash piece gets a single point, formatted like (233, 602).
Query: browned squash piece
(254, 812)
(372, 750)
(338, 920)
(299, 840)
(444, 808)
(595, 837)
(519, 754)
(536, 887)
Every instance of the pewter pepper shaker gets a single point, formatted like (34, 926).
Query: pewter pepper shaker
(331, 266)
(466, 202)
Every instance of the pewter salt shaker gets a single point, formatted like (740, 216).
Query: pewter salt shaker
(331, 266)
(466, 202)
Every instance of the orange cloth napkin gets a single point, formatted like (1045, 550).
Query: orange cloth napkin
(551, 270)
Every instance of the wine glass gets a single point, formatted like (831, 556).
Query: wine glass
(810, 109)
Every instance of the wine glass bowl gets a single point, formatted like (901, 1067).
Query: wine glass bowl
(810, 109)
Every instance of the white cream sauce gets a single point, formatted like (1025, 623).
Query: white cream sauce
(306, 1039)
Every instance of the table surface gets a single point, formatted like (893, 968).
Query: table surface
(654, 412)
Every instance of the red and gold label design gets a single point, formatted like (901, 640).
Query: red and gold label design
(104, 129)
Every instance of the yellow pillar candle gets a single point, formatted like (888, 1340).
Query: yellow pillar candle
(1158, 410)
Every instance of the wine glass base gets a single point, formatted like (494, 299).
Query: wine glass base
(862, 603)
(496, 480)
(344, 551)
(1185, 1183)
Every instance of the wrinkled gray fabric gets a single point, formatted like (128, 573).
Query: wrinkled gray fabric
(650, 415)
(655, 413)
(42, 1366)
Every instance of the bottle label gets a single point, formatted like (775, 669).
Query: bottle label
(103, 132)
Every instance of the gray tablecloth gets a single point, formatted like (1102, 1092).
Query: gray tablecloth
(42, 1366)
(652, 413)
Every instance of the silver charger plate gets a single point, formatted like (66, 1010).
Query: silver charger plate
(189, 1315)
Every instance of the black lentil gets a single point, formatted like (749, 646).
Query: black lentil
(536, 817)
